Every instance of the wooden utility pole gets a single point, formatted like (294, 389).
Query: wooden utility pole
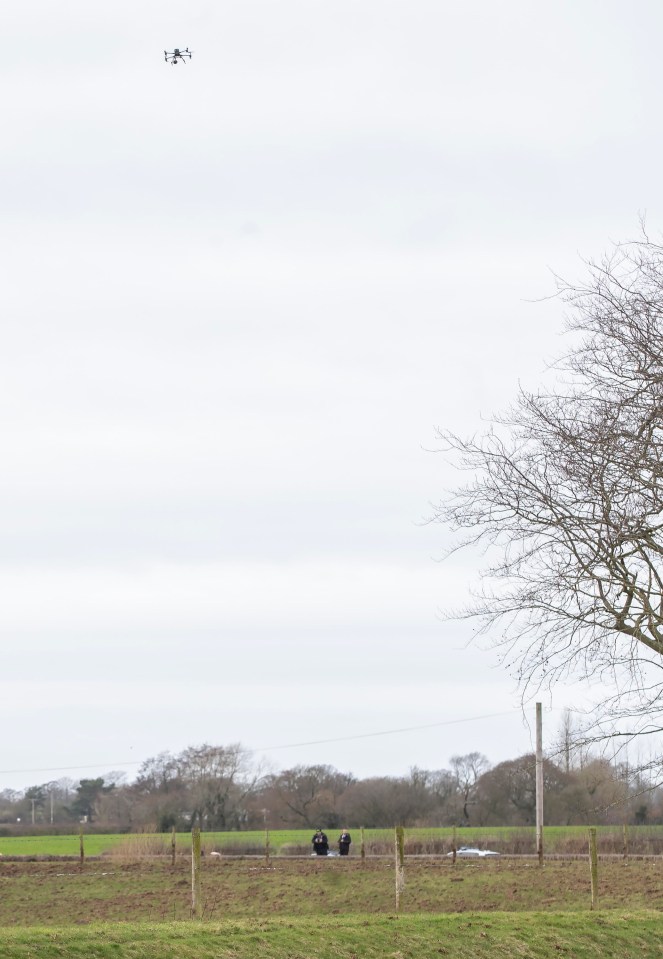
(539, 783)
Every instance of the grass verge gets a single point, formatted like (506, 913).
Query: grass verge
(471, 936)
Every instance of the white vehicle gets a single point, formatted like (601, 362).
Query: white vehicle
(471, 852)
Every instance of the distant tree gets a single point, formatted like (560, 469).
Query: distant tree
(641, 816)
(88, 795)
(159, 796)
(9, 805)
(218, 784)
(600, 793)
(444, 787)
(420, 785)
(115, 807)
(35, 801)
(566, 747)
(467, 770)
(203, 785)
(58, 794)
(435, 795)
(506, 794)
(309, 795)
(384, 801)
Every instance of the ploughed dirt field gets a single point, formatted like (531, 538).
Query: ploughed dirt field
(34, 893)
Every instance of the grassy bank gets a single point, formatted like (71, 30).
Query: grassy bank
(472, 936)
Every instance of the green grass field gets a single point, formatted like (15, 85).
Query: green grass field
(472, 936)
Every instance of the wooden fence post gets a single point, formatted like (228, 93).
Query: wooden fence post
(453, 847)
(594, 867)
(196, 904)
(362, 847)
(399, 857)
(625, 838)
(267, 846)
(173, 846)
(81, 845)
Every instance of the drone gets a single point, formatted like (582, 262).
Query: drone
(176, 55)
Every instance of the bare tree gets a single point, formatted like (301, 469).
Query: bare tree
(309, 795)
(566, 497)
(565, 750)
(467, 771)
(218, 783)
(203, 785)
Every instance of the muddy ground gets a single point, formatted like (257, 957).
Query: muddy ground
(61, 892)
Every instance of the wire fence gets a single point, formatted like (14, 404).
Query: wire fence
(507, 841)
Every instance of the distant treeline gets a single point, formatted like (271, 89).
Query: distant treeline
(220, 788)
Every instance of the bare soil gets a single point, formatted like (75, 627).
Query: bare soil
(53, 893)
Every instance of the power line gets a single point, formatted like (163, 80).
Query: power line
(60, 769)
(264, 749)
(386, 732)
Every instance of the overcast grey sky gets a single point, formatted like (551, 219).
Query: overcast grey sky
(238, 296)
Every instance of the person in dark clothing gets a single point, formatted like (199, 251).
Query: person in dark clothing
(320, 843)
(344, 841)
